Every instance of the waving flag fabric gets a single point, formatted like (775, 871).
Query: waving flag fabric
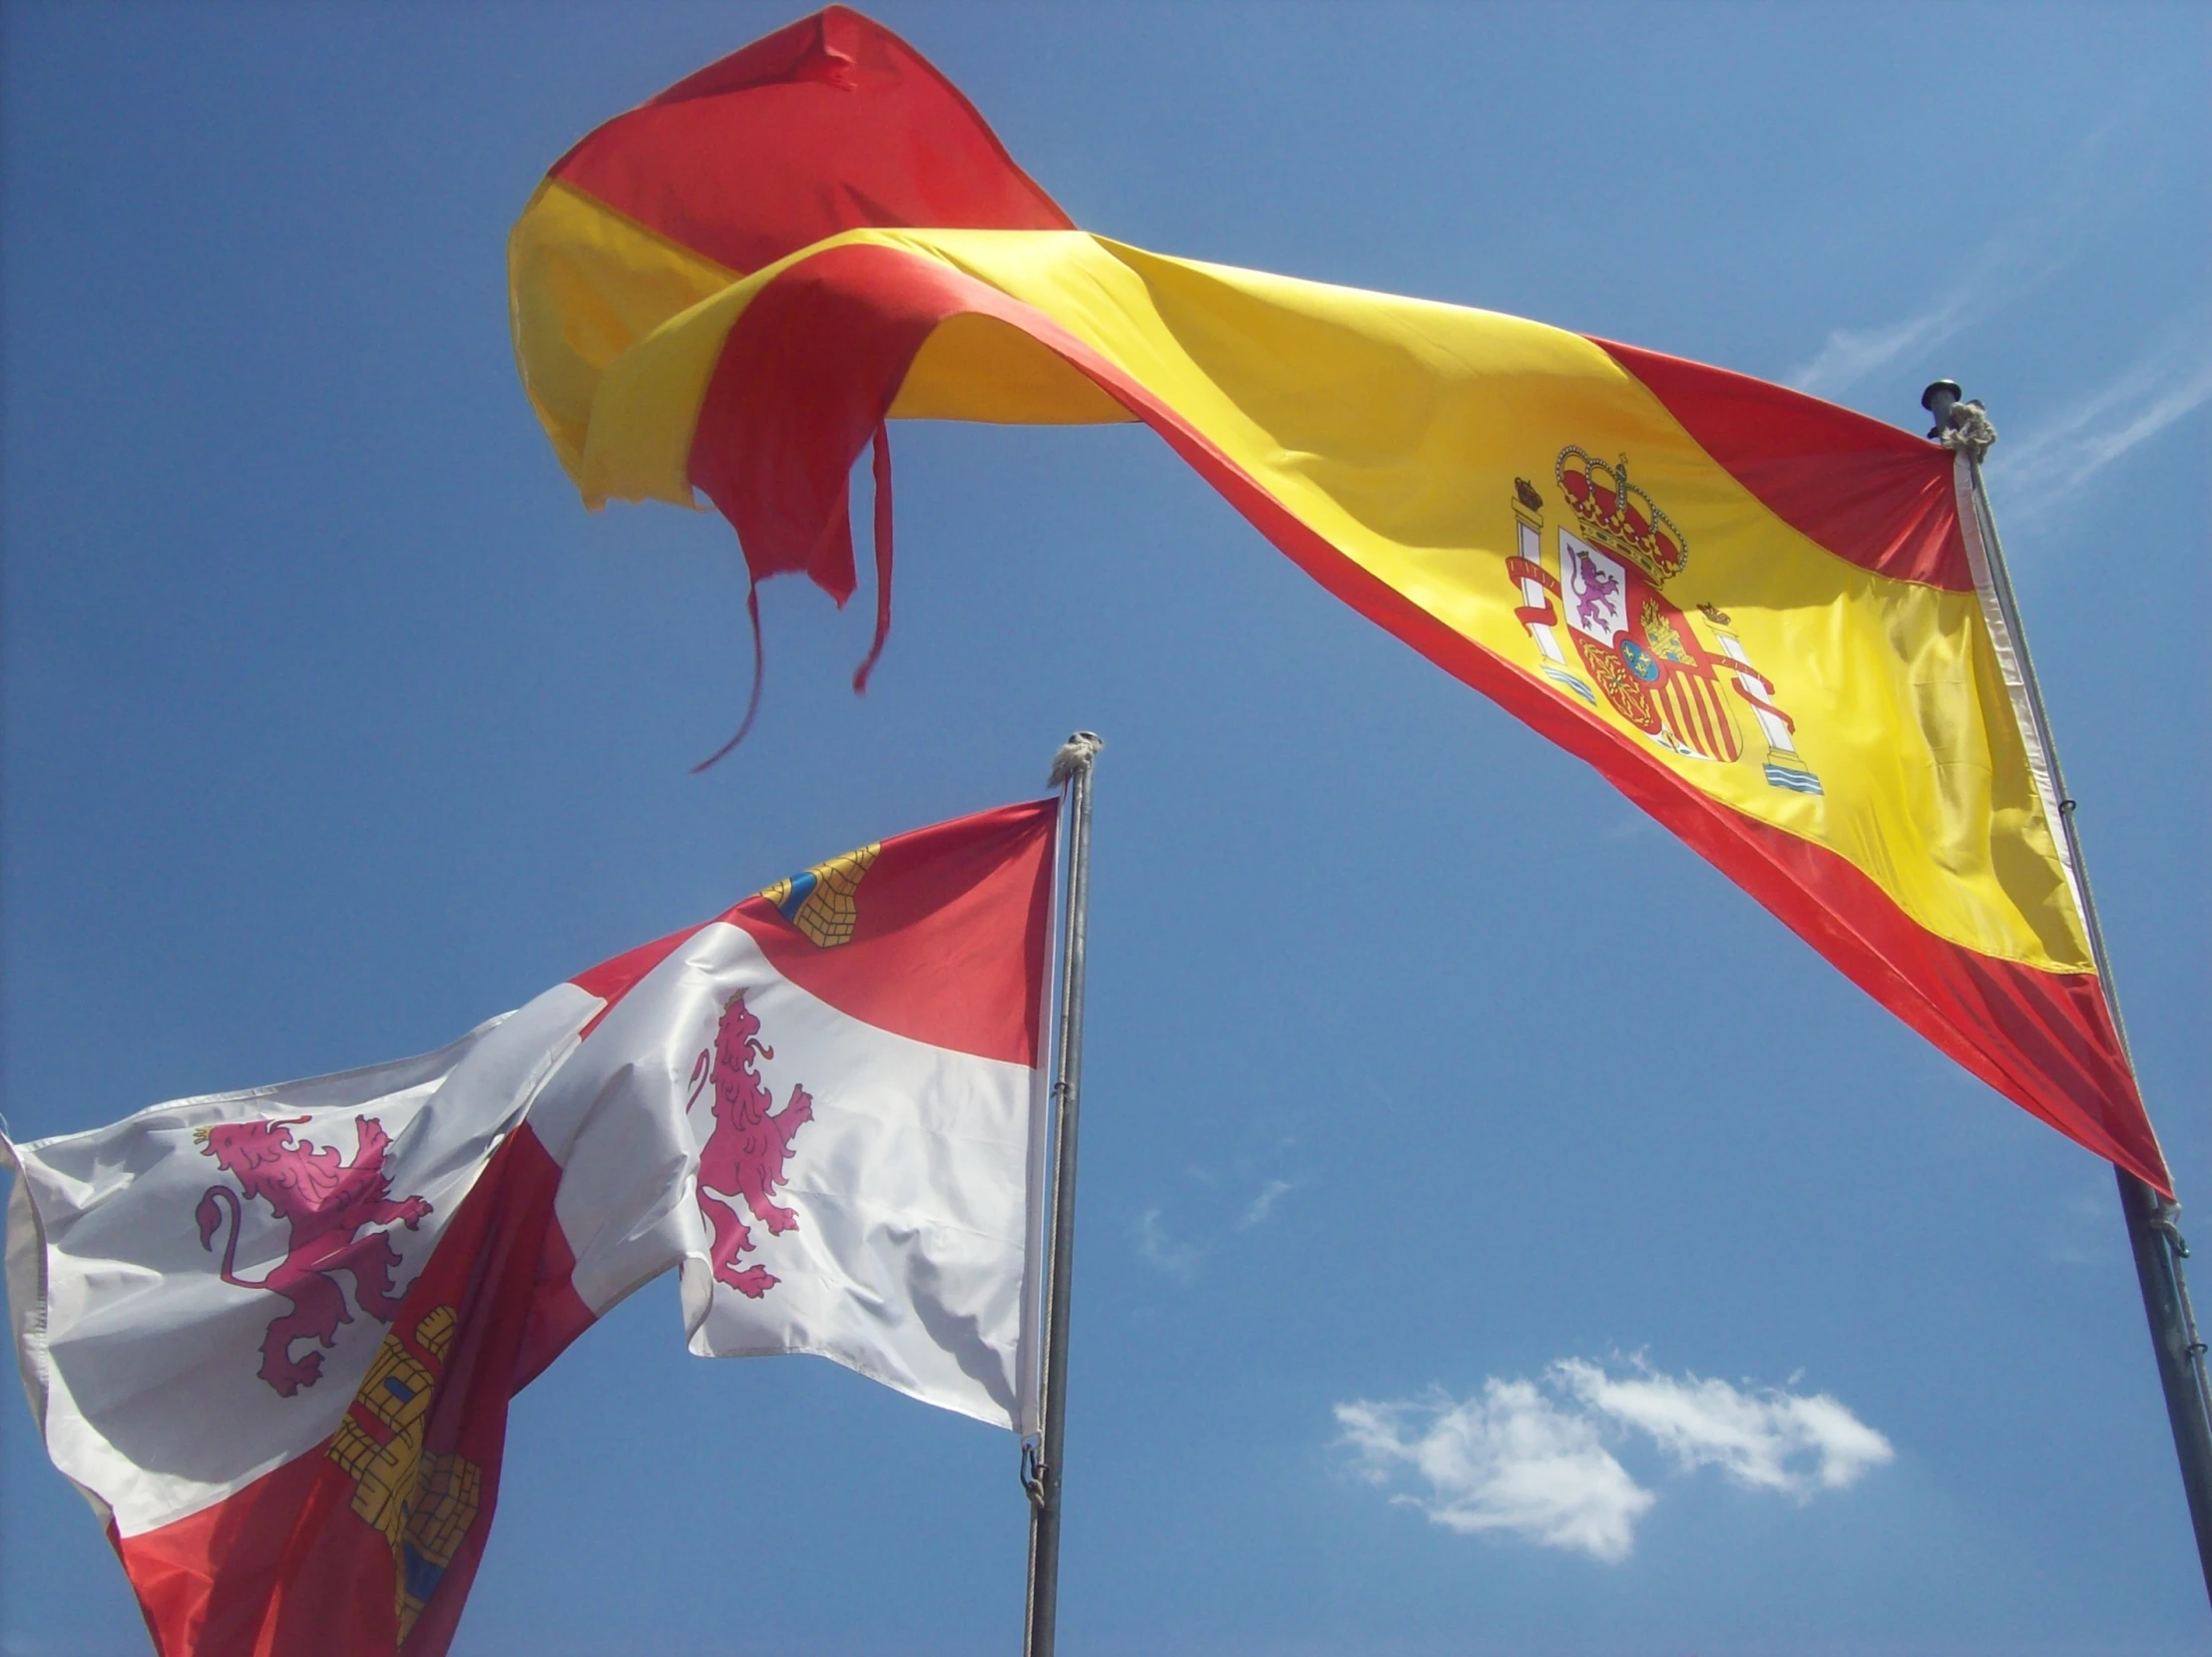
(1768, 621)
(272, 1335)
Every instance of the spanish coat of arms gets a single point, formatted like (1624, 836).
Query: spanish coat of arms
(1601, 585)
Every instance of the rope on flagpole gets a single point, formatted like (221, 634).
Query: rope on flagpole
(1076, 754)
(1963, 425)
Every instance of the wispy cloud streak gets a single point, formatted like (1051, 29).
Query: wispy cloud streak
(2017, 260)
(2033, 473)
(1156, 1248)
(1261, 1206)
(1852, 355)
(1533, 1460)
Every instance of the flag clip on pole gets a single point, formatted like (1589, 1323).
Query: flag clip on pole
(2153, 1232)
(1041, 1460)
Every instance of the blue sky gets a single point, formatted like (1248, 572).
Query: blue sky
(332, 724)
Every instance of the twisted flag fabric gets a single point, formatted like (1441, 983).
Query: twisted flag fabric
(272, 1335)
(1766, 619)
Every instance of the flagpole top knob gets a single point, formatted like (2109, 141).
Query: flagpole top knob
(1076, 756)
(1959, 423)
(1939, 399)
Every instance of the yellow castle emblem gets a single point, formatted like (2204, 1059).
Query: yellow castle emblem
(821, 902)
(423, 1503)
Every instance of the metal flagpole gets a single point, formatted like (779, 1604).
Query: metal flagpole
(1041, 1473)
(2152, 1231)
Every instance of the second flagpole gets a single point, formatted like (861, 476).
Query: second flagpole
(1072, 767)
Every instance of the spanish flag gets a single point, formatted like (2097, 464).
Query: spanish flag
(1768, 621)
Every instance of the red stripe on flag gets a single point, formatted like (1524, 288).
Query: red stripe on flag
(614, 979)
(205, 1581)
(830, 123)
(287, 1566)
(1716, 737)
(1870, 494)
(812, 365)
(948, 944)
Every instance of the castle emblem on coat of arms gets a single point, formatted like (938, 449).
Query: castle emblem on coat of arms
(822, 902)
(422, 1500)
(1600, 591)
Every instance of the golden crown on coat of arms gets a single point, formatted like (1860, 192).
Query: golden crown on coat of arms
(1617, 516)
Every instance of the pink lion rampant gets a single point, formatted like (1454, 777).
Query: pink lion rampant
(327, 1201)
(745, 1153)
(1594, 591)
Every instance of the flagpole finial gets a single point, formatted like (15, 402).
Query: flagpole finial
(1939, 399)
(1959, 423)
(1076, 756)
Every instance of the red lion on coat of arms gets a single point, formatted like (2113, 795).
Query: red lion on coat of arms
(744, 1155)
(327, 1201)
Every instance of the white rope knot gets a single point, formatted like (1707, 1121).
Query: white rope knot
(1075, 757)
(1969, 428)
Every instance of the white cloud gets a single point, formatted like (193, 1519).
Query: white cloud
(1766, 1438)
(2030, 475)
(1533, 1460)
(1264, 1204)
(1156, 1248)
(1511, 1459)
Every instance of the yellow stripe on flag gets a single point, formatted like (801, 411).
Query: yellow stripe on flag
(587, 283)
(1399, 430)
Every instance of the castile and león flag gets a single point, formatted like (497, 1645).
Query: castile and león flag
(272, 1334)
